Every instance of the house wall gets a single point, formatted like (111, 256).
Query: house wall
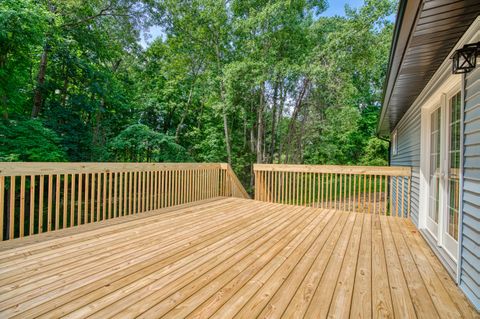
(470, 231)
(410, 138)
(408, 154)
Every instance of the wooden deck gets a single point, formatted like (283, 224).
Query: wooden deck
(226, 258)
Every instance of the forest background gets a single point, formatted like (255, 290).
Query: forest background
(237, 81)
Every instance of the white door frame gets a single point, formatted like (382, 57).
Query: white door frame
(438, 98)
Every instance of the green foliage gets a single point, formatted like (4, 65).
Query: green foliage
(139, 143)
(334, 140)
(374, 152)
(240, 81)
(29, 141)
(22, 27)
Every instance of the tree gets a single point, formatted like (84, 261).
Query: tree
(29, 141)
(237, 81)
(22, 25)
(138, 143)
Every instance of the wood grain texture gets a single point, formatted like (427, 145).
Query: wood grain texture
(335, 186)
(225, 258)
(102, 191)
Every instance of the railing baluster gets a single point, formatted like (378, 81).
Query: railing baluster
(57, 202)
(50, 202)
(65, 201)
(375, 194)
(2, 211)
(11, 219)
(110, 213)
(32, 207)
(115, 193)
(330, 190)
(40, 204)
(72, 199)
(385, 194)
(79, 200)
(403, 197)
(408, 196)
(396, 197)
(340, 191)
(22, 205)
(313, 190)
(87, 191)
(99, 195)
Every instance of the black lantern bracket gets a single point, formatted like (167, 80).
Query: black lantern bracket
(465, 59)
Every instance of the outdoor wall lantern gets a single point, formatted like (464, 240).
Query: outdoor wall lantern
(465, 59)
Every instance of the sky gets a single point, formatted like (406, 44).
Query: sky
(335, 7)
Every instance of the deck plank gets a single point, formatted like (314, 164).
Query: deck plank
(261, 259)
(265, 290)
(39, 289)
(322, 297)
(282, 297)
(228, 258)
(225, 294)
(421, 300)
(161, 257)
(91, 252)
(402, 302)
(342, 298)
(205, 273)
(457, 296)
(441, 299)
(381, 299)
(361, 304)
(106, 296)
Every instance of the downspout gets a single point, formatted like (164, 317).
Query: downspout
(389, 159)
(460, 206)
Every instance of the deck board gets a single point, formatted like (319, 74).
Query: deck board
(228, 258)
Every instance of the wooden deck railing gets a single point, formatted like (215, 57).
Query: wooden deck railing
(368, 189)
(42, 197)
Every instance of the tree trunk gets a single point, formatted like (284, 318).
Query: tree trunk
(42, 70)
(283, 96)
(224, 110)
(65, 87)
(227, 136)
(299, 143)
(292, 124)
(184, 115)
(260, 124)
(3, 98)
(4, 106)
(274, 119)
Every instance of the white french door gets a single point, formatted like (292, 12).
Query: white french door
(444, 177)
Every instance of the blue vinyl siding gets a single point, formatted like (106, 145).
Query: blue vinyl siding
(470, 245)
(408, 144)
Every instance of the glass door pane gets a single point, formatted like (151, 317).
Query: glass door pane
(435, 173)
(453, 177)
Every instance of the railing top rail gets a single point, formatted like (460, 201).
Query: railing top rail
(338, 169)
(46, 168)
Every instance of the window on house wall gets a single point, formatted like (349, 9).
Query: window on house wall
(394, 143)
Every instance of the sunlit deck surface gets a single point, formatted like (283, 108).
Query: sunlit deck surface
(226, 258)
